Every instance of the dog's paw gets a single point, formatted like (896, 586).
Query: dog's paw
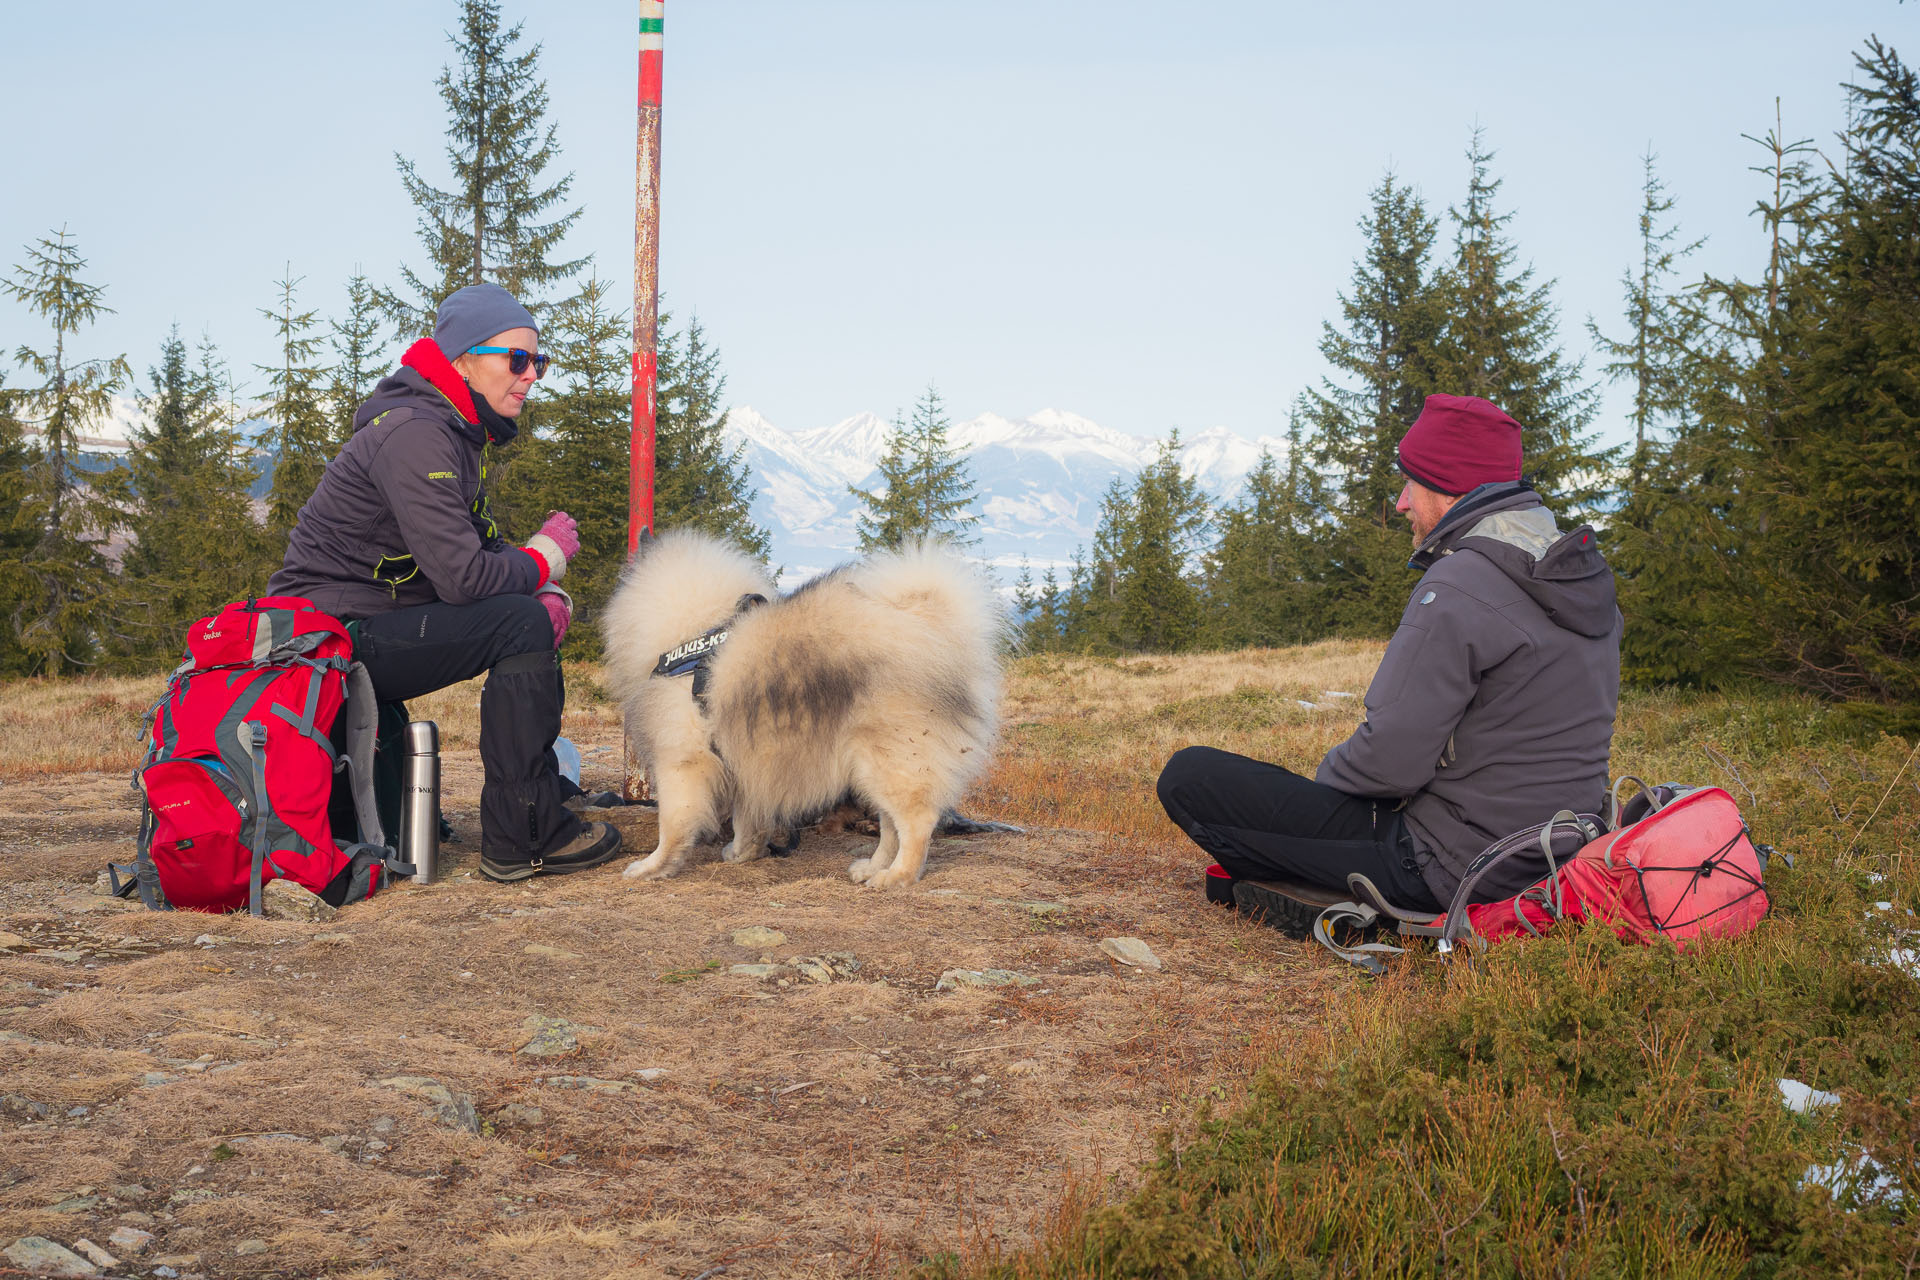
(892, 877)
(735, 852)
(860, 871)
(651, 867)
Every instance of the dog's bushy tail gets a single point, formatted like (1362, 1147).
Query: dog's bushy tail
(928, 578)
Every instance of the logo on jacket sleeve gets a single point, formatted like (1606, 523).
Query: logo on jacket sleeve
(442, 475)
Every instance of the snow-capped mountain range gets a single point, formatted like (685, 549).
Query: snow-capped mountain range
(1038, 479)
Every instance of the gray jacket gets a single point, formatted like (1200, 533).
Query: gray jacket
(400, 517)
(1493, 708)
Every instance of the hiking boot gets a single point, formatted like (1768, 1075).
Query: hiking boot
(1285, 905)
(597, 842)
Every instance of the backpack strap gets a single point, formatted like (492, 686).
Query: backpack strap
(362, 715)
(259, 755)
(1585, 826)
(1365, 955)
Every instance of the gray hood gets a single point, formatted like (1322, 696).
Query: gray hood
(1562, 573)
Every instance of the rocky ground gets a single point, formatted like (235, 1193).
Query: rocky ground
(762, 1068)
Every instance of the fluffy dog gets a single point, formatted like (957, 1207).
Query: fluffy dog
(880, 679)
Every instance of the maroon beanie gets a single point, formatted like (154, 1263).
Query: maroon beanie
(1459, 443)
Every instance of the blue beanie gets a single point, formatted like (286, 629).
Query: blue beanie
(471, 315)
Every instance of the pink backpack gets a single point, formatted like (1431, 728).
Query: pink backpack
(1675, 861)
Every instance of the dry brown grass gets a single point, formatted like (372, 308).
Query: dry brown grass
(800, 1130)
(1085, 738)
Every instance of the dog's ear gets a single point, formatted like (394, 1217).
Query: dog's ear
(751, 600)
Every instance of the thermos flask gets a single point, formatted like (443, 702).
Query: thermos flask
(420, 801)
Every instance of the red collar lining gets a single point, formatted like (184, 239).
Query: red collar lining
(426, 359)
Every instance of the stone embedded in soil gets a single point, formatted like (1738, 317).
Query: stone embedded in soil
(592, 1084)
(9, 941)
(955, 979)
(550, 1037)
(1131, 951)
(758, 970)
(131, 1241)
(333, 937)
(75, 1204)
(285, 900)
(446, 1106)
(813, 969)
(177, 1260)
(247, 1248)
(39, 1256)
(95, 1254)
(758, 938)
(551, 953)
(71, 957)
(519, 1113)
(15, 1104)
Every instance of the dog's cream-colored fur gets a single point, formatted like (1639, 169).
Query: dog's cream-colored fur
(881, 679)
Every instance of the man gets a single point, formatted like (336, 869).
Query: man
(1492, 710)
(397, 541)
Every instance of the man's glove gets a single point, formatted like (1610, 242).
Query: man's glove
(559, 610)
(557, 542)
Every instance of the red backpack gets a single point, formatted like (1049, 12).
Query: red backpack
(240, 764)
(1675, 861)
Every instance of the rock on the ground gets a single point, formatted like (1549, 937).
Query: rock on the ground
(550, 953)
(758, 938)
(1131, 951)
(757, 970)
(550, 1037)
(519, 1113)
(18, 1104)
(448, 1107)
(285, 900)
(247, 1248)
(95, 1254)
(592, 1084)
(12, 941)
(955, 979)
(39, 1256)
(131, 1241)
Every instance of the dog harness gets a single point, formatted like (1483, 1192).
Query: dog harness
(695, 657)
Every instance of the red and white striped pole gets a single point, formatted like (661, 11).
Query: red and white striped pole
(646, 274)
(646, 321)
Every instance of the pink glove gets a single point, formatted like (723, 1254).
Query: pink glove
(559, 610)
(557, 542)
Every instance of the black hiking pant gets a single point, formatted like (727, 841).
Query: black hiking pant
(1262, 822)
(415, 651)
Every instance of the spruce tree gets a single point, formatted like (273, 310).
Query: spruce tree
(579, 460)
(1384, 358)
(1686, 543)
(304, 438)
(1096, 624)
(1167, 519)
(501, 219)
(889, 509)
(20, 533)
(928, 486)
(66, 568)
(357, 356)
(1262, 575)
(194, 543)
(1662, 327)
(1499, 340)
(699, 482)
(1836, 544)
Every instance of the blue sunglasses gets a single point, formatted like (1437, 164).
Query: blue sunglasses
(517, 360)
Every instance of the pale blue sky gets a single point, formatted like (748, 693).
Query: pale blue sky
(1141, 213)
